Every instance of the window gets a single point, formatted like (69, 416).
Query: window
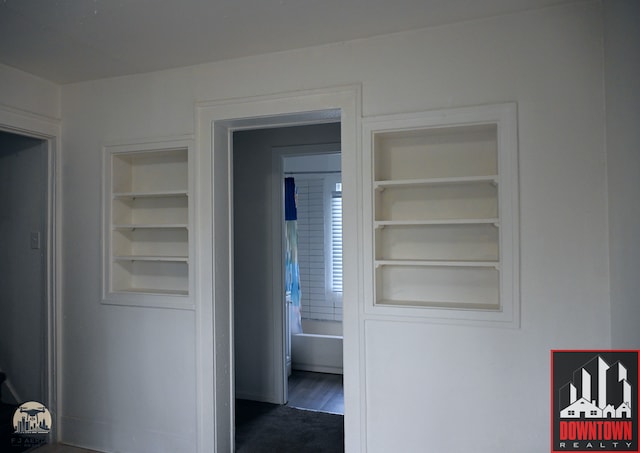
(336, 239)
(320, 245)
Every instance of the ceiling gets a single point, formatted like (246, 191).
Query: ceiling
(68, 41)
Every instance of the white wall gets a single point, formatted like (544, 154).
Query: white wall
(22, 91)
(254, 308)
(453, 388)
(314, 162)
(317, 353)
(622, 66)
(23, 188)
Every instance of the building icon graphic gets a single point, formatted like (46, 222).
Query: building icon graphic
(597, 390)
(32, 418)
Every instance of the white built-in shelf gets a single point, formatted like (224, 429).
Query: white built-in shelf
(381, 185)
(147, 224)
(443, 210)
(133, 226)
(446, 305)
(437, 263)
(385, 223)
(134, 195)
(156, 291)
(177, 259)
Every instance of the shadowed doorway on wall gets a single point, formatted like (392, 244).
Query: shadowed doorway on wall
(23, 274)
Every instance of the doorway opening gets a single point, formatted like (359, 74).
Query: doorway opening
(261, 158)
(26, 264)
(313, 275)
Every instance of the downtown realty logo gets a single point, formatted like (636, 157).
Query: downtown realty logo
(594, 401)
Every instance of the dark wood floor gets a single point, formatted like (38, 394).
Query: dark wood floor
(265, 427)
(316, 391)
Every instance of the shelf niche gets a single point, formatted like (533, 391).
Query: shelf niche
(443, 189)
(147, 211)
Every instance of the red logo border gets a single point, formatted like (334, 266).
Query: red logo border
(637, 390)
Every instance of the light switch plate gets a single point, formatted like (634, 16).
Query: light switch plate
(35, 239)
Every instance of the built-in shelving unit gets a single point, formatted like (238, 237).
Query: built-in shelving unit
(443, 209)
(147, 224)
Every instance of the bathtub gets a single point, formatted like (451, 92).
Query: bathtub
(318, 348)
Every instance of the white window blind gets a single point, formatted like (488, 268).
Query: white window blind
(319, 247)
(336, 239)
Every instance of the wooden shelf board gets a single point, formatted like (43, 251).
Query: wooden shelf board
(443, 305)
(158, 194)
(383, 184)
(154, 291)
(438, 263)
(150, 226)
(172, 259)
(384, 223)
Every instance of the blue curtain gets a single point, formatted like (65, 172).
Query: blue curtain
(292, 270)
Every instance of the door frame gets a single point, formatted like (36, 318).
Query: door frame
(48, 129)
(216, 121)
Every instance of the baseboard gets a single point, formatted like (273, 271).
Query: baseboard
(102, 436)
(255, 397)
(317, 368)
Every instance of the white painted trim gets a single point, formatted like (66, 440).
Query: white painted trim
(27, 123)
(93, 434)
(47, 128)
(504, 116)
(215, 121)
(150, 145)
(280, 340)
